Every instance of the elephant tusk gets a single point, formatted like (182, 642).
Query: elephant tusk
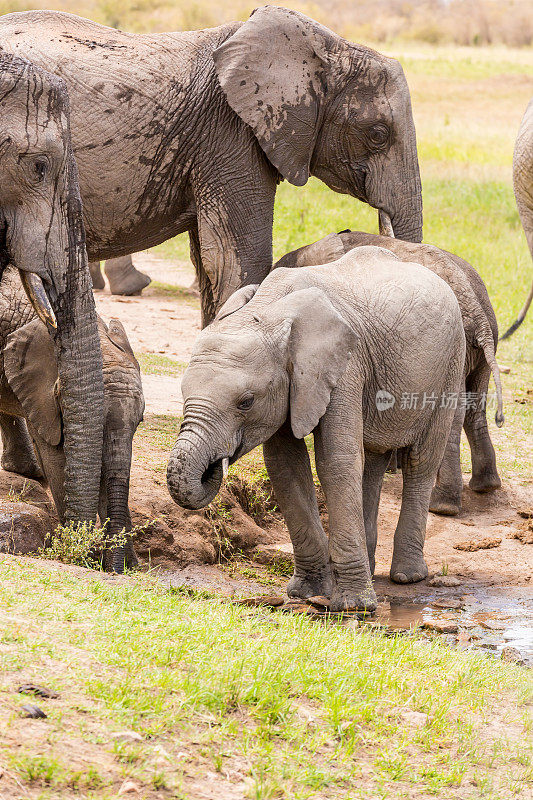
(33, 286)
(385, 224)
(225, 467)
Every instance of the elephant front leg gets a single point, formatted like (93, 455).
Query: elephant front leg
(96, 276)
(124, 278)
(289, 470)
(339, 461)
(18, 454)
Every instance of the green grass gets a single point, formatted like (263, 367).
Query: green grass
(296, 709)
(155, 364)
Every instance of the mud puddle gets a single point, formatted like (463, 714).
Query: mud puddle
(486, 620)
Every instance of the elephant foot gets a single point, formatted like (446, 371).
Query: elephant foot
(21, 464)
(485, 482)
(123, 278)
(349, 600)
(318, 584)
(96, 276)
(448, 504)
(411, 571)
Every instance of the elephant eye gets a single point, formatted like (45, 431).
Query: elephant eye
(378, 134)
(40, 168)
(245, 402)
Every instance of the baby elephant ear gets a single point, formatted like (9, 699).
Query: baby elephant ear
(237, 300)
(320, 344)
(117, 333)
(272, 74)
(31, 370)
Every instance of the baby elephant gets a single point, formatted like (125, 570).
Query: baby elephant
(328, 349)
(30, 401)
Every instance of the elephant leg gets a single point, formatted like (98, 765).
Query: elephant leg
(447, 492)
(375, 466)
(339, 462)
(419, 467)
(485, 476)
(18, 454)
(123, 277)
(289, 469)
(202, 280)
(96, 275)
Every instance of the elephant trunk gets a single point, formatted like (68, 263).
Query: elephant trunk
(119, 521)
(193, 476)
(55, 274)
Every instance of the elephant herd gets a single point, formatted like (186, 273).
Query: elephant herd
(111, 143)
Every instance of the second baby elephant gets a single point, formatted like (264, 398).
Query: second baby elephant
(31, 411)
(314, 350)
(481, 331)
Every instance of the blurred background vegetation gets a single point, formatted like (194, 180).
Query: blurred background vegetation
(464, 22)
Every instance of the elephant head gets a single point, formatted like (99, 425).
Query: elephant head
(321, 105)
(42, 234)
(31, 370)
(250, 370)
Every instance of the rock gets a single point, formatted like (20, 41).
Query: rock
(17, 488)
(416, 718)
(127, 736)
(128, 787)
(444, 580)
(480, 544)
(492, 625)
(39, 691)
(33, 712)
(512, 655)
(23, 528)
(446, 602)
(441, 626)
(268, 601)
(319, 602)
(280, 554)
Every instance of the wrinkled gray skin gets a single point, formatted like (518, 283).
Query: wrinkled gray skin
(481, 332)
(308, 353)
(42, 234)
(523, 191)
(31, 399)
(192, 131)
(123, 277)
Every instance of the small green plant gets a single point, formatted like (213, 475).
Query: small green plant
(444, 568)
(20, 496)
(83, 543)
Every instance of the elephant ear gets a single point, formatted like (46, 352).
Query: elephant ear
(31, 370)
(237, 300)
(273, 73)
(319, 345)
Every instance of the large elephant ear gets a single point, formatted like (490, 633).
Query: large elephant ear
(31, 370)
(273, 73)
(320, 343)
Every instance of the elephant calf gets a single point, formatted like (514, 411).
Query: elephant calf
(31, 420)
(331, 350)
(481, 331)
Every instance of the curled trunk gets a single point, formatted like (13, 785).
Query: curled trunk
(193, 477)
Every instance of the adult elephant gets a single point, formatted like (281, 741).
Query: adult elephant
(42, 235)
(192, 131)
(523, 190)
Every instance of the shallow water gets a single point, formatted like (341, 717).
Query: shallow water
(490, 620)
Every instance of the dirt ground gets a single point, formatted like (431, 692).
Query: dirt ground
(159, 323)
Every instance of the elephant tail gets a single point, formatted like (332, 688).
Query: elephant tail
(521, 317)
(485, 340)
